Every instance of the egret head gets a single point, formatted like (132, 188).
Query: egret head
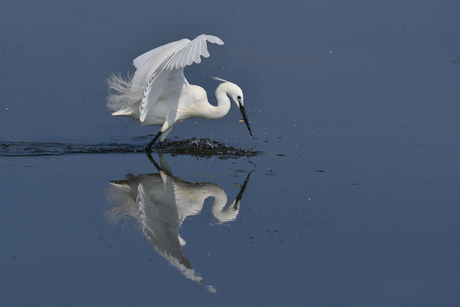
(235, 92)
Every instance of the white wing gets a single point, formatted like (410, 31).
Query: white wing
(161, 69)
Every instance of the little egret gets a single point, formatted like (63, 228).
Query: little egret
(158, 93)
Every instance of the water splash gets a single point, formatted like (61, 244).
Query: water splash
(195, 146)
(206, 147)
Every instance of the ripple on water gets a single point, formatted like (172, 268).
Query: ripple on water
(194, 146)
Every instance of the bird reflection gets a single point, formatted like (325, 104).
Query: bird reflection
(161, 202)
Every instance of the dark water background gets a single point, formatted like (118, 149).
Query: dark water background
(353, 200)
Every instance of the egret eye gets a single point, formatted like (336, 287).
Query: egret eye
(239, 97)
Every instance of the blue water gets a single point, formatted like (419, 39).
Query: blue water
(353, 200)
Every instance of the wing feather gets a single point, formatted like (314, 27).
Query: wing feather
(147, 63)
(156, 68)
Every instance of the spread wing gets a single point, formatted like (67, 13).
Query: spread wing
(161, 70)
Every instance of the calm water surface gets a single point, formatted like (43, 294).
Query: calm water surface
(353, 200)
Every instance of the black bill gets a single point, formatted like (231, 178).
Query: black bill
(243, 112)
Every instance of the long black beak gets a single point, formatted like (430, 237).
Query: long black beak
(240, 195)
(243, 112)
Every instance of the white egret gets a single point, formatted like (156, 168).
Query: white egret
(161, 202)
(158, 93)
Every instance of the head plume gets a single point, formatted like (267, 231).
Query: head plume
(220, 79)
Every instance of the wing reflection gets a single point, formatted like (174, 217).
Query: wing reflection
(161, 202)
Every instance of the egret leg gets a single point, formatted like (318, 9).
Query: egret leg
(159, 145)
(149, 146)
(149, 155)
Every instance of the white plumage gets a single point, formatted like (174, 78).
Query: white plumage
(158, 93)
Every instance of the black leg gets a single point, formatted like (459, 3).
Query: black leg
(149, 146)
(149, 155)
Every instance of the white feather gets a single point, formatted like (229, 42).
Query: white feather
(164, 63)
(153, 70)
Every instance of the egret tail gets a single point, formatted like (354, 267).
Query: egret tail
(122, 94)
